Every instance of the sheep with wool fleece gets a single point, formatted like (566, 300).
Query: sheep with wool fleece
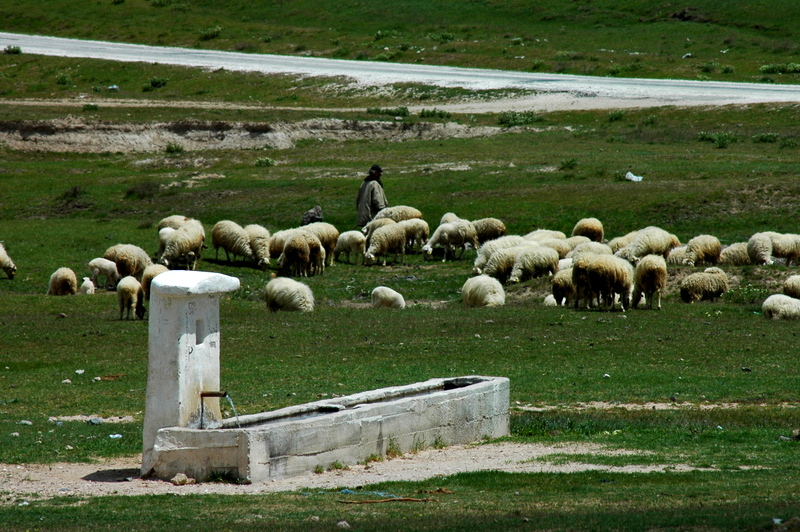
(622, 241)
(580, 279)
(541, 234)
(550, 301)
(259, 244)
(6, 263)
(651, 240)
(149, 274)
(86, 287)
(327, 235)
(791, 286)
(282, 293)
(591, 228)
(703, 249)
(786, 246)
(277, 241)
(111, 252)
(163, 236)
(398, 213)
(452, 236)
(781, 307)
(63, 282)
(130, 296)
(385, 240)
(650, 279)
(483, 291)
(561, 246)
(563, 264)
(106, 268)
(533, 262)
(174, 221)
(303, 254)
(677, 256)
(489, 229)
(131, 260)
(385, 297)
(734, 255)
(373, 225)
(489, 248)
(563, 287)
(350, 242)
(501, 263)
(232, 238)
(590, 247)
(708, 284)
(575, 241)
(759, 248)
(611, 276)
(184, 245)
(449, 217)
(417, 233)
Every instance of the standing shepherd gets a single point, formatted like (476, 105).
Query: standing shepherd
(371, 197)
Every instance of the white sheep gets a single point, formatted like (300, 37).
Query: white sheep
(450, 236)
(489, 229)
(559, 244)
(6, 263)
(759, 248)
(781, 307)
(63, 282)
(677, 256)
(385, 297)
(580, 279)
(489, 248)
(372, 225)
(232, 238)
(163, 236)
(350, 242)
(734, 255)
(483, 291)
(131, 260)
(597, 248)
(303, 255)
(563, 288)
(575, 241)
(533, 262)
(550, 301)
(130, 296)
(591, 228)
(107, 269)
(282, 293)
(541, 234)
(791, 286)
(622, 241)
(174, 221)
(786, 246)
(449, 217)
(398, 213)
(277, 241)
(327, 235)
(184, 246)
(501, 263)
(650, 279)
(149, 274)
(417, 233)
(649, 241)
(708, 284)
(609, 277)
(702, 249)
(385, 240)
(563, 264)
(87, 286)
(259, 244)
(111, 253)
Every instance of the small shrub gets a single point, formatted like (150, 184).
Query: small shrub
(728, 69)
(373, 458)
(210, 33)
(568, 164)
(384, 57)
(517, 41)
(720, 140)
(174, 148)
(362, 56)
(650, 120)
(780, 68)
(393, 449)
(385, 34)
(145, 190)
(438, 443)
(12, 50)
(266, 38)
(769, 138)
(265, 162)
(518, 118)
(342, 51)
(788, 142)
(746, 294)
(615, 70)
(397, 111)
(338, 466)
(442, 38)
(72, 193)
(91, 107)
(319, 470)
(300, 48)
(404, 46)
(434, 113)
(97, 88)
(537, 64)
(157, 82)
(710, 66)
(568, 56)
(616, 115)
(63, 79)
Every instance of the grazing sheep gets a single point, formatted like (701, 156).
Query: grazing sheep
(563, 288)
(452, 236)
(733, 255)
(175, 221)
(87, 287)
(759, 248)
(184, 246)
(649, 278)
(677, 256)
(131, 260)
(791, 286)
(622, 241)
(107, 269)
(501, 263)
(781, 307)
(277, 241)
(149, 274)
(591, 228)
(398, 213)
(385, 297)
(282, 293)
(533, 262)
(385, 240)
(63, 282)
(231, 237)
(350, 242)
(575, 241)
(550, 301)
(563, 264)
(489, 248)
(786, 246)
(541, 234)
(130, 296)
(448, 217)
(489, 229)
(580, 279)
(303, 255)
(111, 253)
(558, 244)
(163, 236)
(649, 241)
(702, 249)
(417, 233)
(709, 284)
(591, 247)
(327, 235)
(259, 244)
(483, 291)
(6, 263)
(609, 277)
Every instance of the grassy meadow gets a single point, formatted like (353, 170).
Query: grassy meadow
(725, 171)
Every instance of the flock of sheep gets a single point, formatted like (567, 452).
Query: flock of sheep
(586, 269)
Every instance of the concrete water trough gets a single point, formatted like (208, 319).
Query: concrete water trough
(184, 431)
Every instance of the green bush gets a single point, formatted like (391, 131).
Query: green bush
(720, 140)
(63, 78)
(174, 148)
(710, 66)
(568, 164)
(780, 68)
(11, 50)
(91, 107)
(616, 115)
(765, 137)
(537, 64)
(265, 162)
(157, 82)
(442, 38)
(434, 113)
(518, 118)
(210, 33)
(397, 111)
(342, 51)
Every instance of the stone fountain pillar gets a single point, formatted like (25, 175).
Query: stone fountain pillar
(183, 357)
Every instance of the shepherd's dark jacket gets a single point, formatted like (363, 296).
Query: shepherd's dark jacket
(371, 199)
